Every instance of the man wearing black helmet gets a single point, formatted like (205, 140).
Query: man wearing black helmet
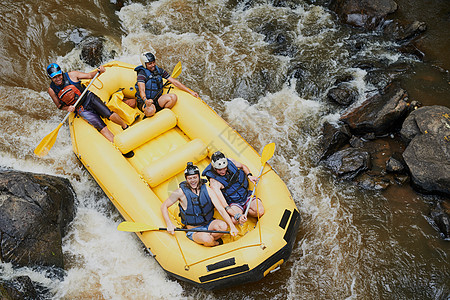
(149, 86)
(196, 202)
(65, 89)
(229, 179)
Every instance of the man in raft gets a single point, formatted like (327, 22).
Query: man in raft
(149, 86)
(196, 202)
(229, 179)
(65, 89)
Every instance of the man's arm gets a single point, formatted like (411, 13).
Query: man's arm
(173, 198)
(220, 208)
(141, 87)
(216, 186)
(246, 170)
(181, 86)
(77, 75)
(58, 103)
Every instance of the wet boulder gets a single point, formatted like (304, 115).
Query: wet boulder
(400, 33)
(35, 210)
(367, 14)
(394, 165)
(343, 94)
(441, 219)
(427, 130)
(372, 182)
(19, 288)
(348, 163)
(378, 114)
(92, 51)
(334, 137)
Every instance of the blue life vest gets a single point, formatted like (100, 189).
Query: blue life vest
(66, 81)
(153, 82)
(200, 209)
(235, 183)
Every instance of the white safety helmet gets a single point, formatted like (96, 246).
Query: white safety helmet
(218, 160)
(146, 58)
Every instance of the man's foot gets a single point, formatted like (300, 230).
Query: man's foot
(129, 154)
(125, 127)
(220, 241)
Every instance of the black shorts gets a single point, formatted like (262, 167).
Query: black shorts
(140, 104)
(91, 110)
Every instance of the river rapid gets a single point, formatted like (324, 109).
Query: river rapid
(352, 244)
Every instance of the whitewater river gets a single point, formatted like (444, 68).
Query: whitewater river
(351, 244)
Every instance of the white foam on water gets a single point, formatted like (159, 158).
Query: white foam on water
(110, 264)
(103, 263)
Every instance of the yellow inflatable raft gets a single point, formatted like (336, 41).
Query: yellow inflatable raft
(162, 146)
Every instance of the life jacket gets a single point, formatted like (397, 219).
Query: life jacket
(200, 209)
(235, 183)
(153, 82)
(69, 92)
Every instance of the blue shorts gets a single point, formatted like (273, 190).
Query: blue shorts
(91, 110)
(190, 234)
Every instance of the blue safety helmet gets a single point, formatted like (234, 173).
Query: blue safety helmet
(53, 70)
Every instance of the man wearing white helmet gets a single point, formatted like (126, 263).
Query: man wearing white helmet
(196, 202)
(149, 86)
(229, 179)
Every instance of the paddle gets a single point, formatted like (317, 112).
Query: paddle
(49, 140)
(267, 154)
(138, 227)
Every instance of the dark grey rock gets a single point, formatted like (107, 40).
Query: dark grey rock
(348, 163)
(441, 219)
(343, 94)
(368, 182)
(394, 166)
(356, 142)
(379, 113)
(333, 138)
(368, 14)
(35, 211)
(427, 155)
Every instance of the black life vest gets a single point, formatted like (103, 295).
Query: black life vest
(200, 209)
(235, 183)
(153, 82)
(69, 92)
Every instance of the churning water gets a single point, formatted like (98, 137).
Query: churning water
(266, 70)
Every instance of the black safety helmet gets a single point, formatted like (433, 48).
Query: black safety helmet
(218, 160)
(191, 169)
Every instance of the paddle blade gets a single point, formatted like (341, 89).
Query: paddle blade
(47, 142)
(135, 227)
(177, 70)
(267, 152)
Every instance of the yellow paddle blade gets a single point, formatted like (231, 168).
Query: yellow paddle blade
(177, 70)
(267, 152)
(135, 227)
(47, 142)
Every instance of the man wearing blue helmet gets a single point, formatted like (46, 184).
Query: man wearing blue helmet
(196, 202)
(149, 86)
(65, 89)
